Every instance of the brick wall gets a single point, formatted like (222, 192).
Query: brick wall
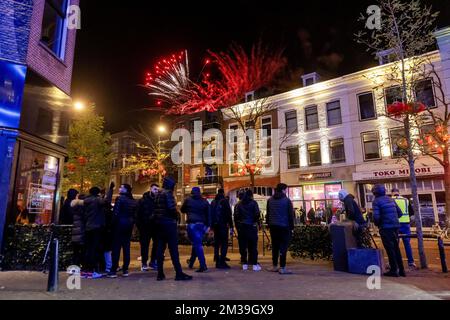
(15, 20)
(41, 59)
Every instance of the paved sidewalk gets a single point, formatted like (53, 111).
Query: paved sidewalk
(311, 280)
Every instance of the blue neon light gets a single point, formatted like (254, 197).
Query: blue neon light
(12, 82)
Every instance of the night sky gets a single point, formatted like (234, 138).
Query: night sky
(119, 42)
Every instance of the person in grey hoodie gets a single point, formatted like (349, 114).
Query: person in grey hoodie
(386, 214)
(280, 219)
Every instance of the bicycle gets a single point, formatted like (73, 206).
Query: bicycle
(443, 233)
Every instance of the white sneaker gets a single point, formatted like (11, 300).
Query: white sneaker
(144, 268)
(245, 267)
(257, 267)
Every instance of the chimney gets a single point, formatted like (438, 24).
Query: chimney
(310, 79)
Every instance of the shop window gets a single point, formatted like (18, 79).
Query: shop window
(337, 151)
(35, 187)
(371, 145)
(424, 93)
(314, 154)
(291, 122)
(293, 157)
(54, 30)
(398, 142)
(195, 174)
(311, 118)
(366, 105)
(295, 193)
(334, 116)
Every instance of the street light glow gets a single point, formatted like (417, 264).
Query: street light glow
(79, 105)
(161, 129)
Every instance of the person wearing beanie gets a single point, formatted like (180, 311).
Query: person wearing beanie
(124, 213)
(280, 219)
(166, 217)
(198, 220)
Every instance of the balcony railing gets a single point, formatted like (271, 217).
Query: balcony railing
(210, 180)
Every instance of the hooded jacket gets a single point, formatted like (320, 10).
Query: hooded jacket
(66, 214)
(247, 212)
(352, 210)
(280, 211)
(221, 211)
(386, 212)
(165, 207)
(197, 210)
(94, 208)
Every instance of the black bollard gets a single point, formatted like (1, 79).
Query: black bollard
(53, 276)
(442, 255)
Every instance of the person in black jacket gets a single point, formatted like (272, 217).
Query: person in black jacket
(238, 224)
(78, 231)
(94, 208)
(222, 222)
(166, 217)
(248, 214)
(66, 214)
(198, 221)
(146, 226)
(124, 213)
(353, 213)
(280, 219)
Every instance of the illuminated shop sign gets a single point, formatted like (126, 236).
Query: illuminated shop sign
(12, 82)
(313, 176)
(396, 173)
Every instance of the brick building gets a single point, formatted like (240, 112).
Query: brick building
(36, 60)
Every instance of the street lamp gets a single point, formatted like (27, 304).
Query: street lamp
(79, 106)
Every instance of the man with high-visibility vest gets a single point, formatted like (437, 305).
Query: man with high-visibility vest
(405, 223)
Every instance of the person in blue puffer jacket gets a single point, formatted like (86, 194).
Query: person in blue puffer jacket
(386, 214)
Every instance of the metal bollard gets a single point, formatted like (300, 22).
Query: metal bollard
(442, 255)
(53, 276)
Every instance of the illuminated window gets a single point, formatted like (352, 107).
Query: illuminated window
(314, 154)
(293, 157)
(334, 116)
(337, 150)
(393, 94)
(312, 118)
(54, 30)
(424, 93)
(366, 106)
(291, 122)
(371, 145)
(397, 139)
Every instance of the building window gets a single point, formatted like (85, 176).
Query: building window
(195, 173)
(426, 131)
(366, 106)
(54, 30)
(371, 145)
(291, 122)
(192, 124)
(45, 122)
(312, 118)
(393, 94)
(266, 126)
(337, 150)
(398, 141)
(314, 154)
(293, 157)
(425, 93)
(334, 113)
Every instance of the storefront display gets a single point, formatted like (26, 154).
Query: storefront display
(316, 196)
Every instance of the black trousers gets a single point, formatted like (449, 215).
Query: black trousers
(121, 241)
(167, 235)
(281, 236)
(220, 242)
(390, 243)
(147, 233)
(78, 257)
(250, 243)
(93, 249)
(242, 246)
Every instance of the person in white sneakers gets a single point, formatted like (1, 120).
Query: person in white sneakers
(247, 211)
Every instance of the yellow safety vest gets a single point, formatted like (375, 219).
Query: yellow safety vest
(403, 204)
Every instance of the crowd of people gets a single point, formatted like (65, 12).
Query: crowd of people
(102, 232)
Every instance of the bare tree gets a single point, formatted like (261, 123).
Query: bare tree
(407, 32)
